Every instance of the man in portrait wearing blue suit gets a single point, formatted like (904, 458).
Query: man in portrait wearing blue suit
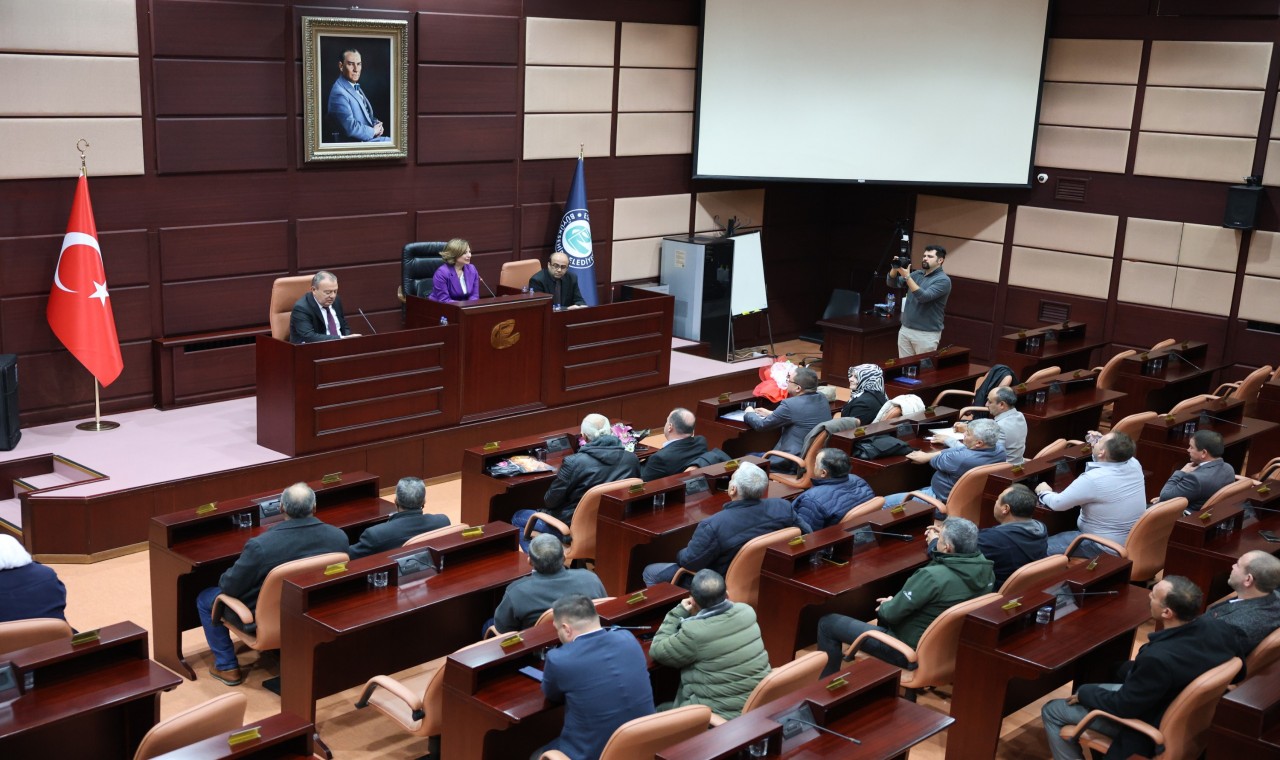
(349, 108)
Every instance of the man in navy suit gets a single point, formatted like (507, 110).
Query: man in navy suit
(349, 108)
(599, 674)
(409, 521)
(318, 314)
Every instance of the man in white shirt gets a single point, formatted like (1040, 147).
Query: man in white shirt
(1111, 494)
(1013, 426)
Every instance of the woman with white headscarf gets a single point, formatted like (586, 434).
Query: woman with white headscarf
(866, 386)
(28, 589)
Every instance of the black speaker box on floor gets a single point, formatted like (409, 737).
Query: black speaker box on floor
(1242, 206)
(10, 430)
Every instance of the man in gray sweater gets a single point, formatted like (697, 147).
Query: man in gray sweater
(527, 598)
(925, 302)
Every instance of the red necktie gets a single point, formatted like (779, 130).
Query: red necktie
(333, 323)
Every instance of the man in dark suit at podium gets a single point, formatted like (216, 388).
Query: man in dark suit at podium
(558, 282)
(318, 314)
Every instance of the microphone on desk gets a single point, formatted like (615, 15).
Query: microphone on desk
(1207, 416)
(1093, 593)
(367, 322)
(899, 536)
(811, 724)
(1177, 355)
(486, 286)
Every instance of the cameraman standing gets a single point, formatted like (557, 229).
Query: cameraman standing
(925, 302)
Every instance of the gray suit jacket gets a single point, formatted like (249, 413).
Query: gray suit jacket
(1199, 484)
(392, 534)
(1255, 619)
(795, 416)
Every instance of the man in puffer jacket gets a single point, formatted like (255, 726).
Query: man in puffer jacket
(834, 491)
(716, 644)
(602, 460)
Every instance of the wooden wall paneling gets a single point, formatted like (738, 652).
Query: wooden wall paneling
(539, 222)
(337, 241)
(680, 12)
(457, 139)
(488, 7)
(57, 383)
(26, 329)
(218, 29)
(624, 177)
(456, 38)
(216, 250)
(219, 88)
(1137, 326)
(467, 89)
(214, 372)
(396, 459)
(26, 263)
(486, 229)
(464, 185)
(1022, 310)
(975, 334)
(1253, 347)
(221, 145)
(208, 305)
(371, 287)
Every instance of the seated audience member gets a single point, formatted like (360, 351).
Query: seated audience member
(795, 417)
(834, 491)
(301, 535)
(718, 538)
(1013, 426)
(681, 449)
(28, 589)
(1017, 540)
(602, 460)
(957, 573)
(980, 446)
(1255, 612)
(1203, 475)
(717, 646)
(866, 393)
(600, 674)
(407, 522)
(558, 282)
(527, 598)
(1110, 493)
(1172, 658)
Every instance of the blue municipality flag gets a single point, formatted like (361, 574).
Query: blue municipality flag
(574, 237)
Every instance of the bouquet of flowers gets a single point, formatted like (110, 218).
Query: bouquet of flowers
(623, 433)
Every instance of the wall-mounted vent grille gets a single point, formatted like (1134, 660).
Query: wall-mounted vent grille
(1070, 189)
(1053, 311)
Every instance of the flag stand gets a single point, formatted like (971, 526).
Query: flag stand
(98, 423)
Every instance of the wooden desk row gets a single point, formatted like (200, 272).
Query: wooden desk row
(1157, 380)
(1205, 544)
(1064, 345)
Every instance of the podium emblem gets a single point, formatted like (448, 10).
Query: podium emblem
(504, 334)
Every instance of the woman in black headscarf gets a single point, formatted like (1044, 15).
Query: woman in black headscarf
(866, 384)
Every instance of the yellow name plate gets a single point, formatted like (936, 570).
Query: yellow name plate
(333, 477)
(1012, 604)
(84, 637)
(637, 598)
(244, 735)
(473, 532)
(491, 445)
(335, 568)
(205, 509)
(512, 640)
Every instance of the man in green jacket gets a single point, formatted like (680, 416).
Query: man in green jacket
(957, 574)
(716, 644)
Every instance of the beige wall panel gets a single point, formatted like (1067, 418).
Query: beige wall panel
(1202, 112)
(1205, 247)
(101, 27)
(1152, 240)
(1147, 284)
(1264, 254)
(1271, 169)
(659, 45)
(63, 85)
(567, 89)
(975, 220)
(655, 90)
(1203, 292)
(1099, 150)
(568, 42)
(1106, 61)
(636, 259)
(746, 205)
(1094, 234)
(46, 147)
(651, 215)
(556, 135)
(1258, 299)
(1072, 273)
(1219, 159)
(974, 259)
(1209, 64)
(651, 134)
(1087, 105)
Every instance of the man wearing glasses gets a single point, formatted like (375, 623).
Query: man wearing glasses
(795, 417)
(558, 282)
(1013, 425)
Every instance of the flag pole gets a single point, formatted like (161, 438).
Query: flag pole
(98, 424)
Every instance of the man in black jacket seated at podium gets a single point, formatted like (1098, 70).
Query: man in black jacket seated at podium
(558, 282)
(409, 521)
(318, 314)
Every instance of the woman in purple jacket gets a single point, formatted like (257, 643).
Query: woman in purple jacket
(457, 280)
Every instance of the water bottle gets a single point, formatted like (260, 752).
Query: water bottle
(444, 320)
(892, 300)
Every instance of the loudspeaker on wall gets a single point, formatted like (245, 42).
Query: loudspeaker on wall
(1242, 206)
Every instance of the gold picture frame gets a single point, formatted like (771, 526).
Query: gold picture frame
(355, 89)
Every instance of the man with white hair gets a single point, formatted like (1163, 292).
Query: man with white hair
(28, 589)
(718, 538)
(602, 460)
(981, 446)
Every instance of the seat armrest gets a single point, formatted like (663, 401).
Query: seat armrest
(883, 638)
(952, 392)
(937, 503)
(680, 574)
(397, 689)
(549, 520)
(554, 754)
(717, 720)
(1111, 546)
(785, 455)
(1219, 391)
(1146, 729)
(223, 602)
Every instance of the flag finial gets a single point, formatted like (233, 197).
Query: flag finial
(82, 145)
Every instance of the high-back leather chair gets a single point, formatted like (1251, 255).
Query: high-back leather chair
(218, 715)
(516, 274)
(20, 634)
(1107, 372)
(934, 656)
(803, 476)
(956, 397)
(445, 531)
(1267, 652)
(1148, 540)
(1053, 449)
(1034, 576)
(1233, 491)
(1039, 375)
(646, 736)
(1270, 470)
(1132, 425)
(965, 499)
(868, 507)
(1247, 389)
(1184, 728)
(1194, 402)
(1164, 344)
(742, 579)
(285, 292)
(781, 681)
(418, 264)
(259, 628)
(582, 531)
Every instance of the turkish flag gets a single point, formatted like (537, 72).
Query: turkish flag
(79, 310)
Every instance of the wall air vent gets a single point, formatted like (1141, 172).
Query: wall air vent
(1070, 189)
(1053, 311)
